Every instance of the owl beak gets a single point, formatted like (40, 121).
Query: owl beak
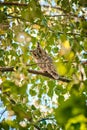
(31, 51)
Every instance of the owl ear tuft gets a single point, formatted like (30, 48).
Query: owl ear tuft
(38, 45)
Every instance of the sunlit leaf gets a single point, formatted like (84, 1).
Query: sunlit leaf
(61, 68)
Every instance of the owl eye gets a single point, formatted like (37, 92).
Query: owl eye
(35, 54)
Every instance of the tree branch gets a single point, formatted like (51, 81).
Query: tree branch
(58, 15)
(8, 69)
(70, 33)
(46, 6)
(37, 127)
(70, 14)
(47, 118)
(48, 75)
(65, 15)
(11, 4)
(54, 7)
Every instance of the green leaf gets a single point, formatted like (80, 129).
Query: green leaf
(71, 107)
(32, 92)
(32, 12)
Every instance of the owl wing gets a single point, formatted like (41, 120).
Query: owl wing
(50, 68)
(52, 71)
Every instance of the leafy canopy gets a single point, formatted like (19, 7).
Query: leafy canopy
(29, 100)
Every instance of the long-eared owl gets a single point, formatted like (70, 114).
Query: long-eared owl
(44, 61)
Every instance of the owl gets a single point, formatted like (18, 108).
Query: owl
(44, 61)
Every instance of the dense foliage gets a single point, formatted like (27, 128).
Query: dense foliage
(32, 101)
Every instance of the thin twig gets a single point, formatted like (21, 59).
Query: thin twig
(2, 113)
(44, 119)
(34, 64)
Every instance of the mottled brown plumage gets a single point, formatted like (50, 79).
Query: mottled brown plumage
(44, 61)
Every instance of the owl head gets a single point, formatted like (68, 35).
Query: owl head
(37, 53)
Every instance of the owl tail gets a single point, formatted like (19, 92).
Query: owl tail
(54, 75)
